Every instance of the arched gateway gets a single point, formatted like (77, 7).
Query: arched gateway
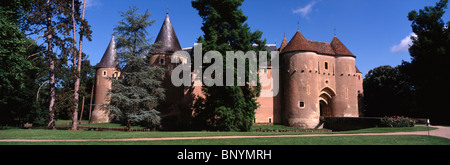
(325, 100)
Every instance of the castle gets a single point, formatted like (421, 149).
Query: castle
(317, 80)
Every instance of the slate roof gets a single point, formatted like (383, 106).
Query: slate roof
(109, 58)
(167, 40)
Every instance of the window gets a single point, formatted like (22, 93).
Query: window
(104, 73)
(116, 74)
(346, 93)
(161, 61)
(301, 104)
(308, 89)
(326, 65)
(270, 120)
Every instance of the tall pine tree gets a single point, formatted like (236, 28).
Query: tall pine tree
(137, 92)
(227, 108)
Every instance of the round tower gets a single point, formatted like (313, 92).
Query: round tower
(299, 79)
(166, 44)
(345, 103)
(106, 69)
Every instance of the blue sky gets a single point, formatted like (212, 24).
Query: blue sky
(376, 31)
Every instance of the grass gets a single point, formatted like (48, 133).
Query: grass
(389, 129)
(113, 125)
(329, 140)
(65, 134)
(15, 133)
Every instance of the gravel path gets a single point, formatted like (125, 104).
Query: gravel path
(441, 132)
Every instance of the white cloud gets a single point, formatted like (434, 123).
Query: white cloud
(304, 11)
(404, 44)
(92, 3)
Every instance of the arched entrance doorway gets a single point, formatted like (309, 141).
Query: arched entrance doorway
(326, 94)
(325, 109)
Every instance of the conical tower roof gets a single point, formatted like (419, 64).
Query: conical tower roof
(167, 40)
(297, 43)
(283, 44)
(339, 48)
(109, 58)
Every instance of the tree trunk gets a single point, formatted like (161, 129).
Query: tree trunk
(82, 108)
(128, 127)
(77, 74)
(51, 70)
(90, 105)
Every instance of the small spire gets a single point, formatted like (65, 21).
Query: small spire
(167, 11)
(298, 25)
(334, 31)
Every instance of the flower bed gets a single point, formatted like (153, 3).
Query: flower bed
(397, 121)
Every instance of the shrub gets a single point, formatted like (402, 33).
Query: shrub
(149, 119)
(397, 121)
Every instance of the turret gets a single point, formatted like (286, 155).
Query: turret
(300, 86)
(165, 45)
(167, 40)
(283, 44)
(106, 69)
(345, 104)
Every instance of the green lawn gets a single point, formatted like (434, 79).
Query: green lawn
(15, 133)
(65, 134)
(330, 140)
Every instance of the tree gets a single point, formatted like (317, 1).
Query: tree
(84, 31)
(49, 8)
(12, 55)
(137, 92)
(430, 56)
(227, 108)
(388, 92)
(46, 18)
(51, 20)
(20, 61)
